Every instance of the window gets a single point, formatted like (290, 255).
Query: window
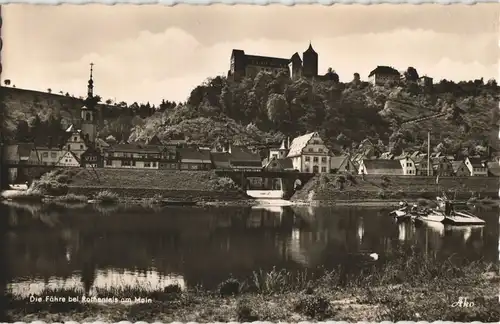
(75, 139)
(45, 154)
(274, 155)
(323, 169)
(323, 159)
(320, 150)
(133, 163)
(53, 155)
(308, 158)
(408, 164)
(306, 169)
(154, 164)
(108, 162)
(126, 163)
(315, 159)
(147, 164)
(81, 147)
(310, 149)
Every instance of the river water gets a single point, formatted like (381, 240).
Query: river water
(89, 247)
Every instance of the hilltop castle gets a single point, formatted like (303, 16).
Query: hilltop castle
(243, 65)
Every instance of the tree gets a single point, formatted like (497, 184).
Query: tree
(49, 90)
(6, 82)
(109, 101)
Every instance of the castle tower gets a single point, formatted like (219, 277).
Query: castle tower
(88, 112)
(310, 67)
(296, 66)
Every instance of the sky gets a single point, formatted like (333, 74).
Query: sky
(149, 53)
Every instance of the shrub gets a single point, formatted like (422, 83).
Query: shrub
(244, 311)
(50, 187)
(107, 197)
(341, 181)
(230, 287)
(72, 198)
(313, 306)
(223, 184)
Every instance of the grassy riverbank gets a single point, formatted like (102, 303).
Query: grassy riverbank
(345, 187)
(408, 287)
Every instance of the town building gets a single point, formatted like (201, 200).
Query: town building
(241, 158)
(477, 166)
(342, 164)
(281, 152)
(132, 156)
(383, 74)
(278, 165)
(192, 158)
(425, 82)
(408, 166)
(68, 159)
(442, 166)
(92, 158)
(380, 167)
(309, 154)
(460, 169)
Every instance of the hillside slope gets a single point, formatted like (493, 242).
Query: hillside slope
(344, 114)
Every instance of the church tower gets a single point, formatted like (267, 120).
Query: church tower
(310, 65)
(88, 112)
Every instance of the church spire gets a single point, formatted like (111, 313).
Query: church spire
(90, 91)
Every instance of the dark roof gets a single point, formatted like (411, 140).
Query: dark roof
(154, 140)
(456, 164)
(476, 162)
(381, 69)
(337, 161)
(220, 156)
(247, 163)
(220, 160)
(296, 57)
(240, 153)
(382, 164)
(192, 153)
(310, 49)
(286, 163)
(133, 148)
(24, 149)
(494, 168)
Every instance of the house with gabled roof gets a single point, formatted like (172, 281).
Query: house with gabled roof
(192, 158)
(242, 158)
(408, 165)
(309, 154)
(477, 166)
(383, 74)
(275, 164)
(460, 169)
(380, 167)
(342, 163)
(68, 159)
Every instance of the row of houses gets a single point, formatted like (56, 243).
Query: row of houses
(307, 153)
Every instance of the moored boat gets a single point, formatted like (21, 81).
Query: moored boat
(463, 218)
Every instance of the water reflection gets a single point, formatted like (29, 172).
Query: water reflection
(49, 246)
